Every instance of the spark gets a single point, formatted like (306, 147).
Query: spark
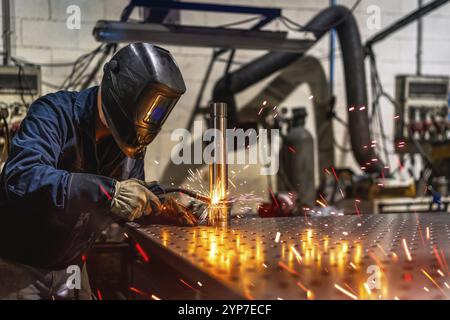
(309, 293)
(231, 182)
(362, 108)
(323, 199)
(264, 265)
(105, 192)
(346, 292)
(274, 198)
(446, 285)
(277, 237)
(199, 284)
(405, 246)
(290, 270)
(353, 265)
(428, 233)
(154, 297)
(188, 285)
(99, 295)
(291, 149)
(297, 254)
(438, 257)
(310, 97)
(351, 109)
(440, 273)
(377, 261)
(382, 250)
(321, 203)
(366, 286)
(156, 162)
(345, 233)
(142, 252)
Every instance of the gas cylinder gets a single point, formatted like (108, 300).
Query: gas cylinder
(297, 169)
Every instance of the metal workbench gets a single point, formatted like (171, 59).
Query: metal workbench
(396, 256)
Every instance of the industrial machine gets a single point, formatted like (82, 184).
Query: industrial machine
(422, 113)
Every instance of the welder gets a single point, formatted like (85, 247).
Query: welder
(76, 166)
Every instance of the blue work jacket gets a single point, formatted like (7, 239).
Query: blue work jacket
(57, 184)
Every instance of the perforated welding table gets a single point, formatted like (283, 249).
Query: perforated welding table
(307, 258)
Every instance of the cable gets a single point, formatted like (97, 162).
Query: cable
(327, 28)
(238, 22)
(378, 87)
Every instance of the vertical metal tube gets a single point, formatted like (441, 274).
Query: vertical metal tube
(6, 12)
(419, 42)
(219, 209)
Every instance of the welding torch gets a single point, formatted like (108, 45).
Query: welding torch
(160, 191)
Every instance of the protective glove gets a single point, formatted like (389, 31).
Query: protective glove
(132, 199)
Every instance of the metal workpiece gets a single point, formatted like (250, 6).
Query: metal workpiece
(396, 256)
(219, 210)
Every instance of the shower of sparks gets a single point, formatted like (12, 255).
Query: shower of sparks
(346, 292)
(405, 246)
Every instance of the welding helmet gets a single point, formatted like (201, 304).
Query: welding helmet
(141, 84)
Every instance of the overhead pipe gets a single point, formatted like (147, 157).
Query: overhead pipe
(342, 19)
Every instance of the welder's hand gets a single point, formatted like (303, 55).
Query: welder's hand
(132, 199)
(174, 213)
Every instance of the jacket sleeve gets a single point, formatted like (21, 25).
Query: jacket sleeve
(137, 171)
(32, 180)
